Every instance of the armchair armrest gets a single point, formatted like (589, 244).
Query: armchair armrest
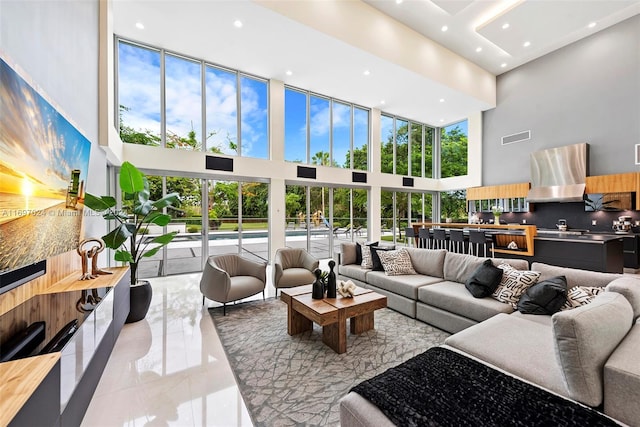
(310, 262)
(215, 282)
(252, 268)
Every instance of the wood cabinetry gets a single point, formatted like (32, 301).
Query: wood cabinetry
(505, 191)
(615, 183)
(56, 388)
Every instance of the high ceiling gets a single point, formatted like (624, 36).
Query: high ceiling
(275, 46)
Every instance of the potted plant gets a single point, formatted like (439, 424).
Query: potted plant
(129, 238)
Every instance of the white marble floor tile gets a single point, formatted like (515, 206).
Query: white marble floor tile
(169, 369)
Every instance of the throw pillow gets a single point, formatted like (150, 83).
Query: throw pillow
(581, 295)
(366, 257)
(359, 250)
(375, 259)
(546, 297)
(396, 263)
(513, 284)
(484, 280)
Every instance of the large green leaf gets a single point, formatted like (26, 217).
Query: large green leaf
(122, 255)
(151, 252)
(142, 196)
(131, 179)
(121, 216)
(167, 200)
(117, 237)
(143, 209)
(158, 218)
(98, 204)
(165, 238)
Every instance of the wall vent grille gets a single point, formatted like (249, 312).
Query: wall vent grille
(516, 137)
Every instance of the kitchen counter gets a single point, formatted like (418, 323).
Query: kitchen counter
(598, 238)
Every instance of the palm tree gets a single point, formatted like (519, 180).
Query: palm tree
(321, 158)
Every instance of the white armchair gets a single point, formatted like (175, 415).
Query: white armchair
(293, 267)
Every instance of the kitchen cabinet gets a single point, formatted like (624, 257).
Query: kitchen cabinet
(511, 197)
(615, 183)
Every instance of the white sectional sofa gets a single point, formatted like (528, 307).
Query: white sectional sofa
(589, 354)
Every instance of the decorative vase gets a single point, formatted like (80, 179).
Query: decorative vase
(140, 300)
(331, 281)
(317, 290)
(496, 219)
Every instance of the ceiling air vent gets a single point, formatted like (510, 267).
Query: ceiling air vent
(516, 137)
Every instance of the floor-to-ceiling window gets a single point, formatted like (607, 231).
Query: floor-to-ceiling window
(406, 147)
(161, 102)
(453, 150)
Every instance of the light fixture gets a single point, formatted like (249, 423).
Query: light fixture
(441, 120)
(289, 72)
(366, 72)
(444, 28)
(140, 25)
(398, 1)
(441, 99)
(505, 25)
(382, 102)
(591, 24)
(237, 23)
(504, 64)
(478, 49)
(526, 44)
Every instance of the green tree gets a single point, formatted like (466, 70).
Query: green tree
(360, 158)
(453, 204)
(454, 149)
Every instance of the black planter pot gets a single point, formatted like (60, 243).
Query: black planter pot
(140, 299)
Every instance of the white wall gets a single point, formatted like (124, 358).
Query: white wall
(55, 44)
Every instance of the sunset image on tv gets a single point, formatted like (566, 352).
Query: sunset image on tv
(43, 171)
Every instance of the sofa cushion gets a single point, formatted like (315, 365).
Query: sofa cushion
(359, 250)
(518, 264)
(629, 286)
(348, 254)
(396, 263)
(375, 258)
(581, 295)
(459, 267)
(295, 276)
(546, 297)
(354, 271)
(622, 380)
(484, 280)
(367, 259)
(429, 262)
(406, 286)
(584, 338)
(575, 277)
(454, 297)
(513, 284)
(543, 320)
(518, 346)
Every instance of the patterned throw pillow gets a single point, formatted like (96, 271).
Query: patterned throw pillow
(580, 295)
(396, 263)
(367, 262)
(513, 284)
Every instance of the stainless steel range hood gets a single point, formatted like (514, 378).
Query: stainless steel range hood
(559, 174)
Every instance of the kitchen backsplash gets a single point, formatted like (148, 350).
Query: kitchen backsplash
(546, 215)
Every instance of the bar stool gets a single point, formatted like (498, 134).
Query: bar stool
(439, 238)
(423, 237)
(410, 235)
(456, 240)
(478, 238)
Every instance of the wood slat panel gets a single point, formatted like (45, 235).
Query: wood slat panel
(620, 182)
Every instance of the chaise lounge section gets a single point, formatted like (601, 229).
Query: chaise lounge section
(587, 354)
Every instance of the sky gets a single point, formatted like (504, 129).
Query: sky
(319, 118)
(38, 146)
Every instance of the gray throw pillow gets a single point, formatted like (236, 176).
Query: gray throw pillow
(546, 297)
(484, 281)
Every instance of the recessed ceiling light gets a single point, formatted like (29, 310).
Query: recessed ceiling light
(526, 44)
(398, 1)
(366, 72)
(591, 25)
(383, 101)
(289, 72)
(444, 28)
(140, 25)
(478, 49)
(504, 64)
(441, 99)
(237, 23)
(505, 25)
(441, 120)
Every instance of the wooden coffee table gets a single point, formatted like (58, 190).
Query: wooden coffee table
(331, 314)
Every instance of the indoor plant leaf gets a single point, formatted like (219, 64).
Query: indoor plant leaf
(123, 255)
(165, 238)
(167, 200)
(131, 179)
(98, 204)
(117, 237)
(143, 208)
(159, 218)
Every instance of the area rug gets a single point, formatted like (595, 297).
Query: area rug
(297, 380)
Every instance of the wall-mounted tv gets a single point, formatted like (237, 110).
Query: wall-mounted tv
(43, 174)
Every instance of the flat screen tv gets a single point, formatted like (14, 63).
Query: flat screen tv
(43, 173)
